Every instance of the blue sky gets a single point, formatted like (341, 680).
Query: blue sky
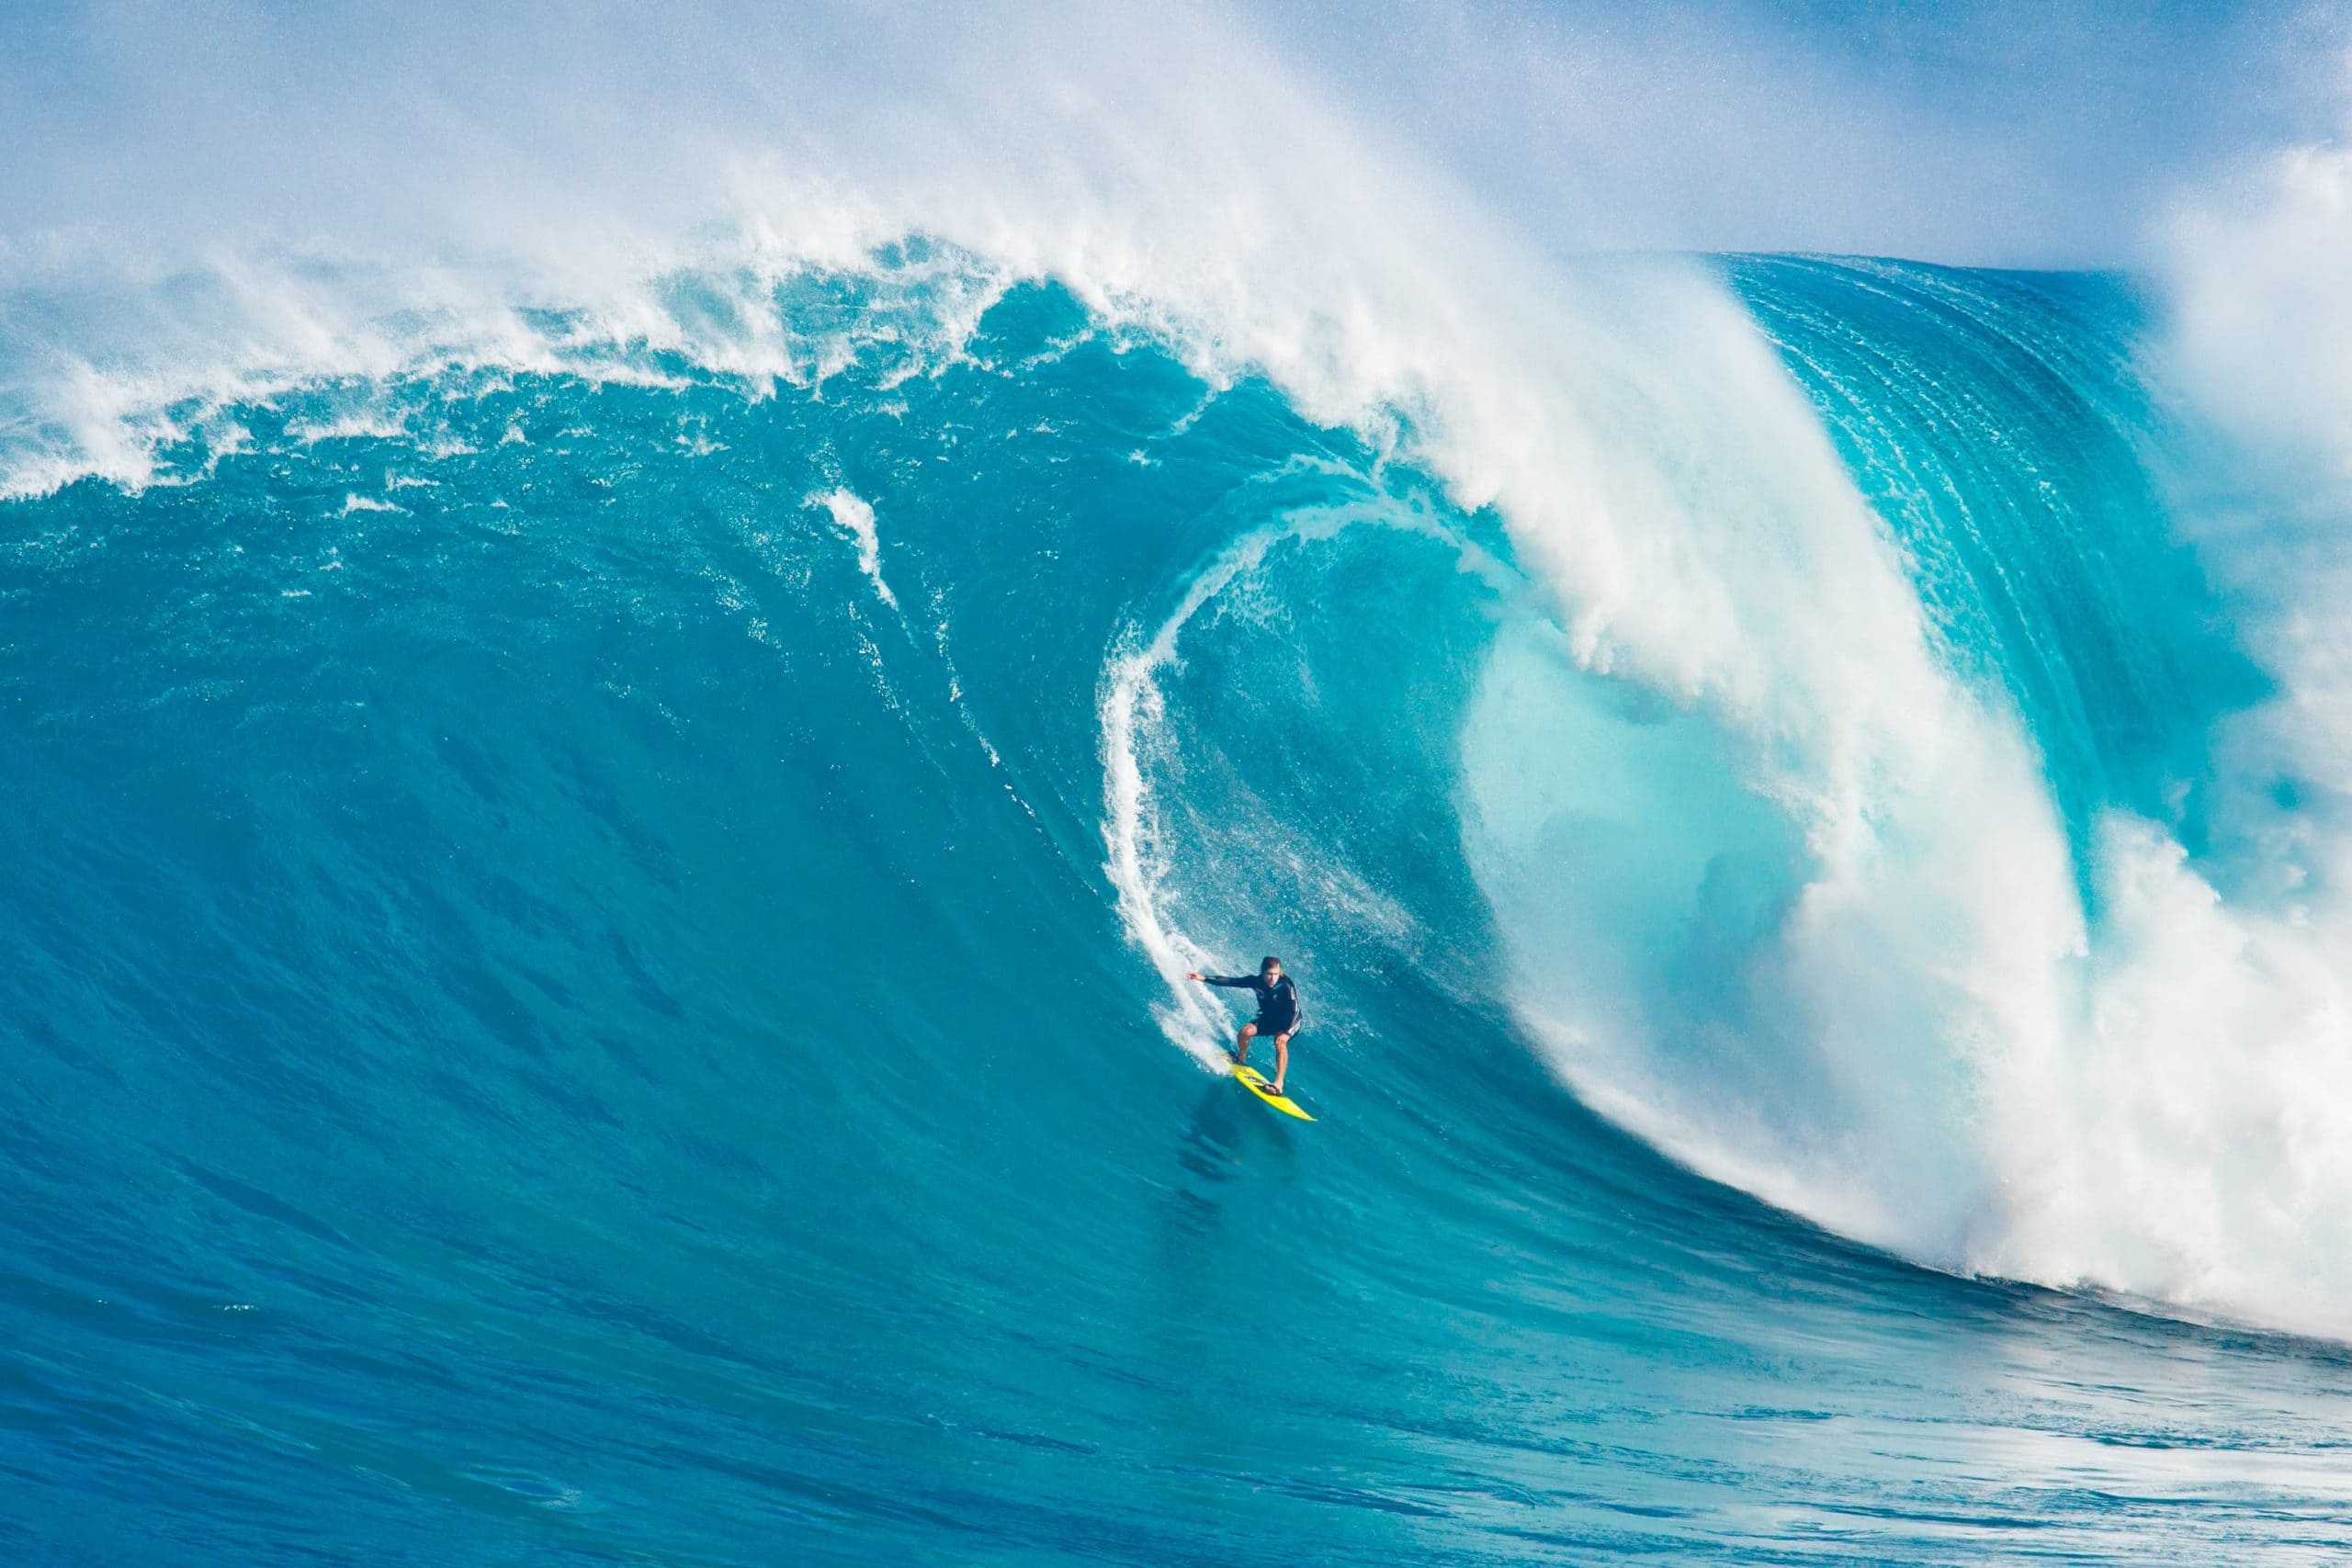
(2038, 134)
(2051, 134)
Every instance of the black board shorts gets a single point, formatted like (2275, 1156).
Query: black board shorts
(1269, 1028)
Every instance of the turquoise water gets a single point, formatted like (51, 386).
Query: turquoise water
(584, 977)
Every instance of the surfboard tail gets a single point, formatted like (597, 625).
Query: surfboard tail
(1255, 1082)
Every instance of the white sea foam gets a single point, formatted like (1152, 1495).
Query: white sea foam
(1131, 705)
(2187, 1135)
(854, 516)
(365, 425)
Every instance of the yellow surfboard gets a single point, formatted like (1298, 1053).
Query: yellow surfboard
(1255, 1082)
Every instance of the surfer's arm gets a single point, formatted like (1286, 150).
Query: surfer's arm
(1228, 980)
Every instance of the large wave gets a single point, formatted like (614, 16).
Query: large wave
(1875, 808)
(597, 858)
(618, 746)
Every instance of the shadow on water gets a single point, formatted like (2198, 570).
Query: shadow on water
(1228, 1136)
(1216, 1276)
(1204, 1272)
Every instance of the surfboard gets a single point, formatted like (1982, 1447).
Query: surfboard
(1255, 1082)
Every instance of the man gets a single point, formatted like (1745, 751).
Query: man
(1278, 1011)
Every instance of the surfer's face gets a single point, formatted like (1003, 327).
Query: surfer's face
(1271, 972)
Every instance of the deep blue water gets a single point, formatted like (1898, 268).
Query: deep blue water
(556, 1015)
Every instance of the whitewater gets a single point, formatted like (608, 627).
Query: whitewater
(606, 836)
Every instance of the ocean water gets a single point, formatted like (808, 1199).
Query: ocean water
(592, 958)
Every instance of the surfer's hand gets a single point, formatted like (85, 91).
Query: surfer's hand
(1193, 976)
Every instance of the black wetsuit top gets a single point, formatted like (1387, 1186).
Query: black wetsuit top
(1278, 1008)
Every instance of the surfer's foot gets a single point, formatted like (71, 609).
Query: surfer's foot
(1274, 1089)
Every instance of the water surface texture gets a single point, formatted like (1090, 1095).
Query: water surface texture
(592, 960)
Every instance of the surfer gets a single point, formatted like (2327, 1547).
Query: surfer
(1278, 1011)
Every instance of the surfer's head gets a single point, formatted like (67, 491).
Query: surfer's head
(1270, 967)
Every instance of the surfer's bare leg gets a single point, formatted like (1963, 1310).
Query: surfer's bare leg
(1241, 1041)
(1282, 1060)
